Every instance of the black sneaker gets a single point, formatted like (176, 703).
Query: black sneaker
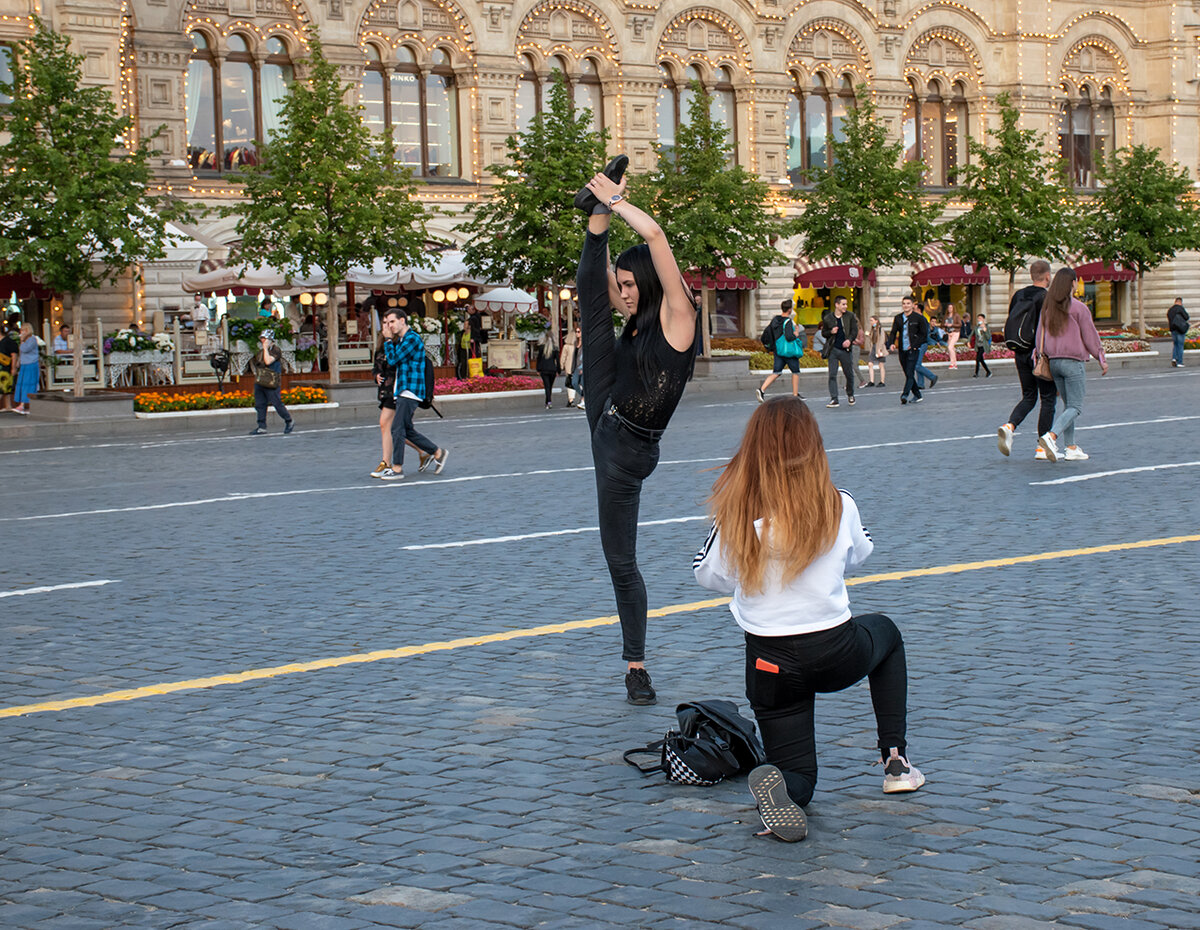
(585, 200)
(833, 403)
(933, 380)
(917, 400)
(291, 425)
(903, 400)
(258, 431)
(638, 689)
(850, 400)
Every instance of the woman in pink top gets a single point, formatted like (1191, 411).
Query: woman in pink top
(1067, 336)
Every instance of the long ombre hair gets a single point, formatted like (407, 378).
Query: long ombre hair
(1057, 305)
(779, 474)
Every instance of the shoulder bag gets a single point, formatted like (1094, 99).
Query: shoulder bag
(1041, 368)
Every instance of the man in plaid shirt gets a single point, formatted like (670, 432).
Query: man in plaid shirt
(406, 353)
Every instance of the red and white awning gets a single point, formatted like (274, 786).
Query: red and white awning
(727, 280)
(828, 272)
(938, 266)
(1088, 269)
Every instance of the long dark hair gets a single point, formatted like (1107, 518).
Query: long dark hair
(636, 260)
(1057, 305)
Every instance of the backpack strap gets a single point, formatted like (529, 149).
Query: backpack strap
(654, 749)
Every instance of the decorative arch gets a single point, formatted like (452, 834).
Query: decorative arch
(832, 47)
(946, 55)
(574, 28)
(219, 18)
(1095, 61)
(955, 9)
(704, 36)
(1109, 19)
(425, 23)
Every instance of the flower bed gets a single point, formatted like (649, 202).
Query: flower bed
(154, 402)
(486, 385)
(765, 361)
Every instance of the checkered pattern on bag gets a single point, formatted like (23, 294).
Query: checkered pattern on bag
(680, 771)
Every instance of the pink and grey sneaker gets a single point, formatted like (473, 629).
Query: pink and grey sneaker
(899, 775)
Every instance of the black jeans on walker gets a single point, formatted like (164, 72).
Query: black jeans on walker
(622, 459)
(785, 673)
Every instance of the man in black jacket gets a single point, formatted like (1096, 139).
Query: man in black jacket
(840, 329)
(1031, 386)
(1177, 323)
(909, 332)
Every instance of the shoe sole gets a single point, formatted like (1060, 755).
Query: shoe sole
(1051, 454)
(1004, 442)
(780, 814)
(904, 787)
(585, 200)
(641, 702)
(392, 477)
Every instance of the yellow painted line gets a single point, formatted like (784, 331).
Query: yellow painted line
(294, 668)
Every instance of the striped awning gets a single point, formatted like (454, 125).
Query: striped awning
(1090, 269)
(727, 280)
(938, 266)
(828, 272)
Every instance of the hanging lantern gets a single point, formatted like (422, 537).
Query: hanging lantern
(438, 296)
(321, 299)
(306, 299)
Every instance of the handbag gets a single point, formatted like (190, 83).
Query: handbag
(1041, 368)
(475, 367)
(713, 742)
(267, 377)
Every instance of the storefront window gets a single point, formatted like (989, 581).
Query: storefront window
(728, 320)
(421, 110)
(1101, 299)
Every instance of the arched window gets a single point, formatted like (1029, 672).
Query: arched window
(529, 94)
(686, 95)
(814, 117)
(955, 132)
(589, 95)
(420, 108)
(1086, 133)
(910, 128)
(1106, 127)
(666, 109)
(933, 149)
(243, 93)
(724, 111)
(6, 71)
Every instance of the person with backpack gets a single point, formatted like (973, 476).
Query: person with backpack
(782, 539)
(1024, 311)
(840, 330)
(1177, 323)
(405, 351)
(632, 384)
(1066, 336)
(786, 341)
(983, 344)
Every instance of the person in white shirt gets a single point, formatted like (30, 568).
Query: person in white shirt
(782, 540)
(62, 345)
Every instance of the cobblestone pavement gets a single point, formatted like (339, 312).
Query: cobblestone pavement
(1052, 704)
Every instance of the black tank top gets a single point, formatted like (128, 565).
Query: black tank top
(650, 406)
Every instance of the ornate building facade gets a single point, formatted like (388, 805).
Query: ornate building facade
(454, 78)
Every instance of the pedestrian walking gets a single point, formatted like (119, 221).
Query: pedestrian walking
(566, 362)
(405, 352)
(10, 349)
(934, 338)
(983, 345)
(909, 332)
(1020, 329)
(877, 351)
(267, 365)
(1066, 336)
(385, 381)
(1177, 322)
(632, 385)
(29, 371)
(787, 346)
(840, 330)
(547, 363)
(953, 324)
(782, 539)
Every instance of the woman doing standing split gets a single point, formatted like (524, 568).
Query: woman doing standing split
(631, 385)
(782, 540)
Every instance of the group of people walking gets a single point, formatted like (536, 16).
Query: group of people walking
(783, 536)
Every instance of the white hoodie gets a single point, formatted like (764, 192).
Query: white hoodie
(814, 601)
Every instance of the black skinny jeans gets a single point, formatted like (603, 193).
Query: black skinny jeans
(843, 358)
(979, 350)
(622, 460)
(824, 662)
(1033, 387)
(908, 361)
(548, 383)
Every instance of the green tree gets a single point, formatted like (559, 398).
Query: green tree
(326, 192)
(76, 210)
(1139, 215)
(713, 212)
(1021, 204)
(867, 207)
(528, 228)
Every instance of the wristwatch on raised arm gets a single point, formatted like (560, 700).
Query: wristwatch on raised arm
(615, 199)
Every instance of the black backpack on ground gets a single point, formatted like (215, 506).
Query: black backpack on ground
(713, 742)
(1020, 329)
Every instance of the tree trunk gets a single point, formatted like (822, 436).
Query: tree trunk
(1141, 307)
(868, 308)
(555, 312)
(708, 307)
(331, 329)
(77, 350)
(1012, 284)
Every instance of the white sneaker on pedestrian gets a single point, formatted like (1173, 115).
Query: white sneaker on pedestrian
(440, 463)
(1046, 443)
(899, 775)
(758, 392)
(1075, 454)
(390, 474)
(1040, 455)
(1004, 438)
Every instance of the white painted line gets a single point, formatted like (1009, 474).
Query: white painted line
(460, 544)
(154, 444)
(1120, 471)
(46, 589)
